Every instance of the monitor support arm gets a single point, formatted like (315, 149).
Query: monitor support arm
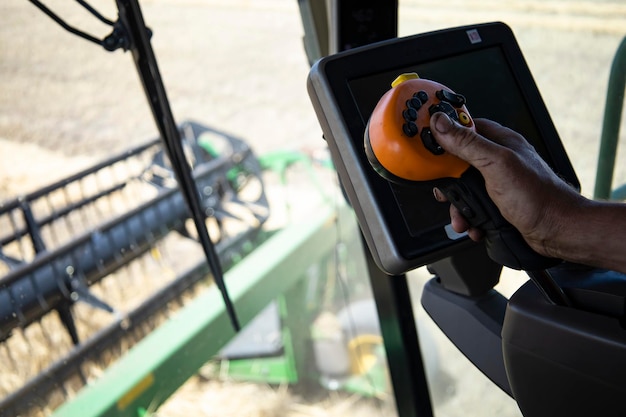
(468, 310)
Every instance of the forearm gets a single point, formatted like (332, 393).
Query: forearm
(592, 233)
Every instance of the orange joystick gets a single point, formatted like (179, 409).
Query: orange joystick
(398, 140)
(401, 148)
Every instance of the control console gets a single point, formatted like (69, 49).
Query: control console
(389, 162)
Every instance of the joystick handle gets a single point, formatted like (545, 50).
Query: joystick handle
(401, 148)
(504, 243)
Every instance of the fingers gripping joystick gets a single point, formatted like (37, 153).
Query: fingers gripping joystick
(401, 148)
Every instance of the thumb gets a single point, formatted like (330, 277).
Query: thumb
(461, 141)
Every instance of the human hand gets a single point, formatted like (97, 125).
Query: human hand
(527, 192)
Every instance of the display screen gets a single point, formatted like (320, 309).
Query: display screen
(485, 79)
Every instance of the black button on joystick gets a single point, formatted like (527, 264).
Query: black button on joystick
(430, 143)
(457, 100)
(445, 108)
(410, 114)
(422, 95)
(410, 129)
(414, 103)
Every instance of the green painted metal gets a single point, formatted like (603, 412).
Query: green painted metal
(274, 370)
(611, 126)
(373, 383)
(281, 160)
(150, 372)
(282, 369)
(297, 317)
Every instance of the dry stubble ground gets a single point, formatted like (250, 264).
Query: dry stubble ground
(239, 66)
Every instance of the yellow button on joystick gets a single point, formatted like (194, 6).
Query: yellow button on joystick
(404, 77)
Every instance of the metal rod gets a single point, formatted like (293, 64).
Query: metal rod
(548, 286)
(611, 124)
(94, 12)
(64, 25)
(131, 17)
(401, 338)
